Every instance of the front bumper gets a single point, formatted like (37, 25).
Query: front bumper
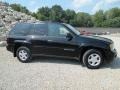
(111, 55)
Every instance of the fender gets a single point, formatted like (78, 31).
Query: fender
(85, 46)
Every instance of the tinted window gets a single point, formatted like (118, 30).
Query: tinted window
(57, 30)
(22, 29)
(73, 29)
(41, 29)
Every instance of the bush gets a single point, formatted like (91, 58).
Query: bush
(112, 22)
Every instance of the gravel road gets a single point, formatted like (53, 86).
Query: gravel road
(57, 74)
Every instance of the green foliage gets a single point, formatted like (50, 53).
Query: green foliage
(34, 15)
(69, 16)
(56, 13)
(115, 22)
(110, 18)
(98, 18)
(19, 8)
(43, 13)
(83, 20)
(112, 13)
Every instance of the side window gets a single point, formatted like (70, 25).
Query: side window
(63, 31)
(41, 29)
(21, 29)
(57, 30)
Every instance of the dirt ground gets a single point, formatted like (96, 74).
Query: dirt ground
(45, 73)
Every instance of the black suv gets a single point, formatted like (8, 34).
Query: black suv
(26, 40)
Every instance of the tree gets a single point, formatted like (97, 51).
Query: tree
(19, 8)
(110, 18)
(16, 7)
(112, 13)
(69, 16)
(115, 22)
(83, 20)
(43, 13)
(98, 18)
(56, 13)
(24, 10)
(34, 15)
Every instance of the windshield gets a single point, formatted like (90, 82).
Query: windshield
(73, 29)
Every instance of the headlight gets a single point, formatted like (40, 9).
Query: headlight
(112, 46)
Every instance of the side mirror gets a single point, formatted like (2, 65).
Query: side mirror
(69, 36)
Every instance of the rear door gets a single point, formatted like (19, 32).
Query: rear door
(39, 39)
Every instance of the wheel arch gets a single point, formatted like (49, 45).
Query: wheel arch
(19, 44)
(86, 48)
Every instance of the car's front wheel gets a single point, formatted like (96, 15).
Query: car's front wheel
(23, 54)
(93, 59)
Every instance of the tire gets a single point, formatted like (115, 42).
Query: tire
(23, 54)
(92, 59)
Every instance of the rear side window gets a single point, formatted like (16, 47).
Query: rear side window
(22, 29)
(41, 29)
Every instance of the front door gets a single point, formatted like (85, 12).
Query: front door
(57, 42)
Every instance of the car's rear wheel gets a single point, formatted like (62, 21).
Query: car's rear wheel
(93, 59)
(23, 54)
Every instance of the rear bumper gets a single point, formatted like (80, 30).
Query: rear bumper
(9, 48)
(111, 55)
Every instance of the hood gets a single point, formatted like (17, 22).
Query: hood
(98, 38)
